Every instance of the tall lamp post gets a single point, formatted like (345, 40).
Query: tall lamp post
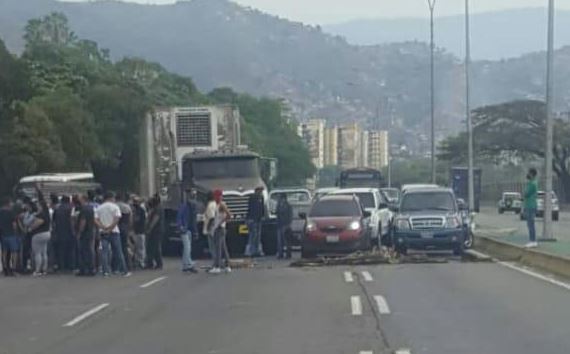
(547, 225)
(431, 5)
(470, 183)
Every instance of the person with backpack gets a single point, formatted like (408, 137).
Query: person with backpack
(186, 221)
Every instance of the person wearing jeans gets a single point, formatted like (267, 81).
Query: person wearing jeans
(186, 221)
(255, 215)
(139, 223)
(284, 219)
(41, 234)
(530, 206)
(107, 218)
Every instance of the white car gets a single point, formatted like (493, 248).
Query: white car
(374, 202)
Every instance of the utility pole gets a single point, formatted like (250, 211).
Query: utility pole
(547, 226)
(471, 185)
(431, 4)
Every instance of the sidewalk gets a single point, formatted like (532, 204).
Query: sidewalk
(561, 247)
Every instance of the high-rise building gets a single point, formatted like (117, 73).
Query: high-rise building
(378, 149)
(313, 134)
(349, 146)
(331, 146)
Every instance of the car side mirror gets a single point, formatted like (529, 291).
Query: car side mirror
(303, 216)
(367, 214)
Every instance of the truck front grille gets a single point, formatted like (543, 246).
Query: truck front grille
(237, 205)
(427, 223)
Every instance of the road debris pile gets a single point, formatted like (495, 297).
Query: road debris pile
(376, 256)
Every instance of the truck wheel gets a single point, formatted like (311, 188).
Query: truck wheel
(555, 216)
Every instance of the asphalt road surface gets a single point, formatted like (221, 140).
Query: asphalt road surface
(451, 308)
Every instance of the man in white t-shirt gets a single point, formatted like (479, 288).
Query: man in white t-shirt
(107, 217)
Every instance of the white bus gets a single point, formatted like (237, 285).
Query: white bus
(55, 183)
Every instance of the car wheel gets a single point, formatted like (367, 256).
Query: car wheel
(555, 216)
(468, 243)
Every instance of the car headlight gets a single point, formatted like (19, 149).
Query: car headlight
(453, 222)
(355, 225)
(311, 226)
(402, 224)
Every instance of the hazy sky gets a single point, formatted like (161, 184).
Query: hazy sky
(330, 11)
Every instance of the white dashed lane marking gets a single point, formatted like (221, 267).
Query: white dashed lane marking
(403, 351)
(382, 305)
(356, 305)
(348, 277)
(367, 276)
(152, 282)
(86, 315)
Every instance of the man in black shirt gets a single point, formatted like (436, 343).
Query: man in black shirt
(86, 236)
(63, 227)
(8, 237)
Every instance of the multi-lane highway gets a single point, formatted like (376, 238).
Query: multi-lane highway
(449, 308)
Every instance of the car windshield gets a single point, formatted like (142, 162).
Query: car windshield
(335, 208)
(366, 199)
(441, 201)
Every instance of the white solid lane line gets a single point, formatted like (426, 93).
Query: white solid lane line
(152, 282)
(403, 351)
(85, 315)
(348, 277)
(536, 275)
(383, 307)
(356, 305)
(367, 276)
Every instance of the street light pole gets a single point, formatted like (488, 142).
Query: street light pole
(547, 226)
(431, 4)
(471, 187)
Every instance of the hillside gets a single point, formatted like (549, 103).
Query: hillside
(514, 32)
(219, 43)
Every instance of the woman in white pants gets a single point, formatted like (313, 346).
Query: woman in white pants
(41, 235)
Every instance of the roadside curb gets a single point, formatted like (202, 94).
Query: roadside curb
(555, 264)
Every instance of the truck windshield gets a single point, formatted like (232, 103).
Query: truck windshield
(428, 201)
(225, 168)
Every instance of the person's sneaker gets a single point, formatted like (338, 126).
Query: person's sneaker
(36, 274)
(531, 245)
(106, 275)
(127, 274)
(228, 269)
(215, 271)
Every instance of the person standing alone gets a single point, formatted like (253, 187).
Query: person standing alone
(530, 205)
(284, 220)
(8, 237)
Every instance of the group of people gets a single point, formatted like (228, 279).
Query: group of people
(84, 234)
(102, 233)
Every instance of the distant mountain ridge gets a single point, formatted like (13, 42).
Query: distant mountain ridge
(495, 35)
(219, 43)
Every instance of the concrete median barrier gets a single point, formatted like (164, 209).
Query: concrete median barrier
(504, 251)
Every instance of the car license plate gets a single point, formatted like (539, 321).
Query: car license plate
(332, 238)
(427, 234)
(243, 230)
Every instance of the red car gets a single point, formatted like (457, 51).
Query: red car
(336, 224)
